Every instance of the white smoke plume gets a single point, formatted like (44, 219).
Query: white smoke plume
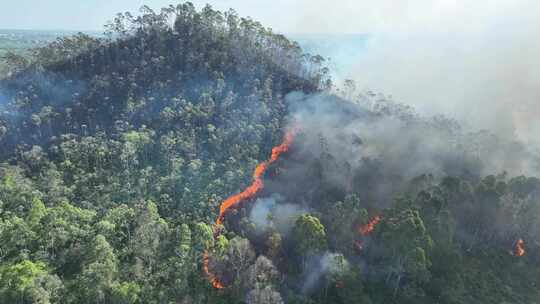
(320, 266)
(272, 212)
(408, 146)
(475, 61)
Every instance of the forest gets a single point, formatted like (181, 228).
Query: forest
(195, 156)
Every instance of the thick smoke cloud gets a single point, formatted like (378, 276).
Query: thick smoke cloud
(407, 144)
(387, 16)
(368, 16)
(487, 81)
(473, 61)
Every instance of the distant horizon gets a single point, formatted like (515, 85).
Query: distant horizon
(283, 16)
(48, 30)
(101, 31)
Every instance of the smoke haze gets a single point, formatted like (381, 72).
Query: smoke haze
(273, 212)
(320, 266)
(408, 146)
(476, 62)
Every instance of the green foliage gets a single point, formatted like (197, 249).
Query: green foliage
(342, 220)
(204, 237)
(28, 282)
(36, 213)
(125, 293)
(309, 235)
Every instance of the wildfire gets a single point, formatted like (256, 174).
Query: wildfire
(234, 200)
(519, 249)
(368, 228)
(365, 230)
(257, 183)
(211, 277)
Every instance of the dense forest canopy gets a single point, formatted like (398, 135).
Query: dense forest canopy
(116, 153)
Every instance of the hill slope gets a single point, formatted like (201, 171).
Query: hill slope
(160, 115)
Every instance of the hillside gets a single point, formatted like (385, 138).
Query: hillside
(197, 157)
(20, 42)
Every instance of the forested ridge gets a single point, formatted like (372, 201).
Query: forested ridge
(116, 152)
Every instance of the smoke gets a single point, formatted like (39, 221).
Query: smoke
(395, 143)
(476, 62)
(489, 81)
(3, 101)
(261, 212)
(273, 212)
(328, 263)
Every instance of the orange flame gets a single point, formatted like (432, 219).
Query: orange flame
(257, 183)
(519, 249)
(234, 200)
(368, 228)
(211, 277)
